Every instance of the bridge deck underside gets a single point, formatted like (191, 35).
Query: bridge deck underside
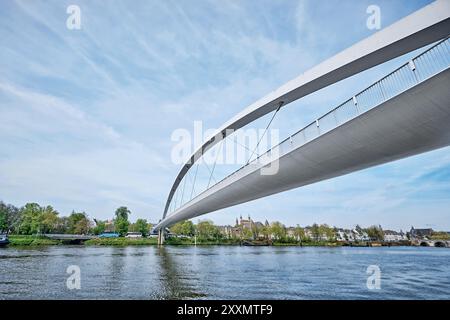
(415, 121)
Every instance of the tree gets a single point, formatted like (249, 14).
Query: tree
(327, 232)
(78, 223)
(255, 230)
(266, 232)
(247, 233)
(375, 233)
(99, 228)
(10, 218)
(207, 230)
(141, 226)
(122, 212)
(37, 219)
(315, 231)
(278, 230)
(440, 235)
(185, 228)
(3, 220)
(61, 225)
(121, 223)
(299, 233)
(30, 214)
(48, 219)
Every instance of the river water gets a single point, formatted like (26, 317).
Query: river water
(221, 272)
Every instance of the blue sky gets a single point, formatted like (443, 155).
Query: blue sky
(86, 116)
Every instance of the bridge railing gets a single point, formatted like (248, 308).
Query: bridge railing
(418, 69)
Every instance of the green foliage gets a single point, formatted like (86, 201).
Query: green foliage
(121, 225)
(123, 213)
(179, 241)
(3, 222)
(440, 235)
(278, 230)
(29, 240)
(185, 228)
(327, 232)
(299, 233)
(141, 226)
(121, 241)
(37, 219)
(266, 232)
(375, 233)
(207, 230)
(247, 233)
(99, 228)
(315, 231)
(78, 223)
(62, 225)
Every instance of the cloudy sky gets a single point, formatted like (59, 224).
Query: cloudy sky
(86, 116)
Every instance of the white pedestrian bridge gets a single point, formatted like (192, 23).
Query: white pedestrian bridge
(403, 114)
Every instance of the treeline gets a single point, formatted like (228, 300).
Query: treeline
(206, 230)
(35, 219)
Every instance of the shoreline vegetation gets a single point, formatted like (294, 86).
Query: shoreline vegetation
(35, 241)
(29, 225)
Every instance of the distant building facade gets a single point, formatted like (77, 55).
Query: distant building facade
(394, 236)
(420, 233)
(244, 228)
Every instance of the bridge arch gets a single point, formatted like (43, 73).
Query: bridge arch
(440, 244)
(427, 25)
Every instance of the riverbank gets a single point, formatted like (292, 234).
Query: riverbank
(28, 240)
(32, 240)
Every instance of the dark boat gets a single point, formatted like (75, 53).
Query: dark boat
(255, 243)
(3, 240)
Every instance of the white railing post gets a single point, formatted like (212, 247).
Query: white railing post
(335, 118)
(355, 102)
(412, 67)
(381, 90)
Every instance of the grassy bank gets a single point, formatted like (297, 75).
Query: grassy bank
(25, 240)
(32, 240)
(192, 241)
(306, 244)
(121, 242)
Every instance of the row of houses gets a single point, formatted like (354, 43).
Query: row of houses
(351, 235)
(254, 229)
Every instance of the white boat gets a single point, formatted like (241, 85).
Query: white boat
(133, 235)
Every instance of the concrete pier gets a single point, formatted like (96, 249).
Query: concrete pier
(161, 237)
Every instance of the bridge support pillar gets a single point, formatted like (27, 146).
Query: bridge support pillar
(161, 237)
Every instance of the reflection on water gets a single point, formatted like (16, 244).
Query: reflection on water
(174, 281)
(224, 273)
